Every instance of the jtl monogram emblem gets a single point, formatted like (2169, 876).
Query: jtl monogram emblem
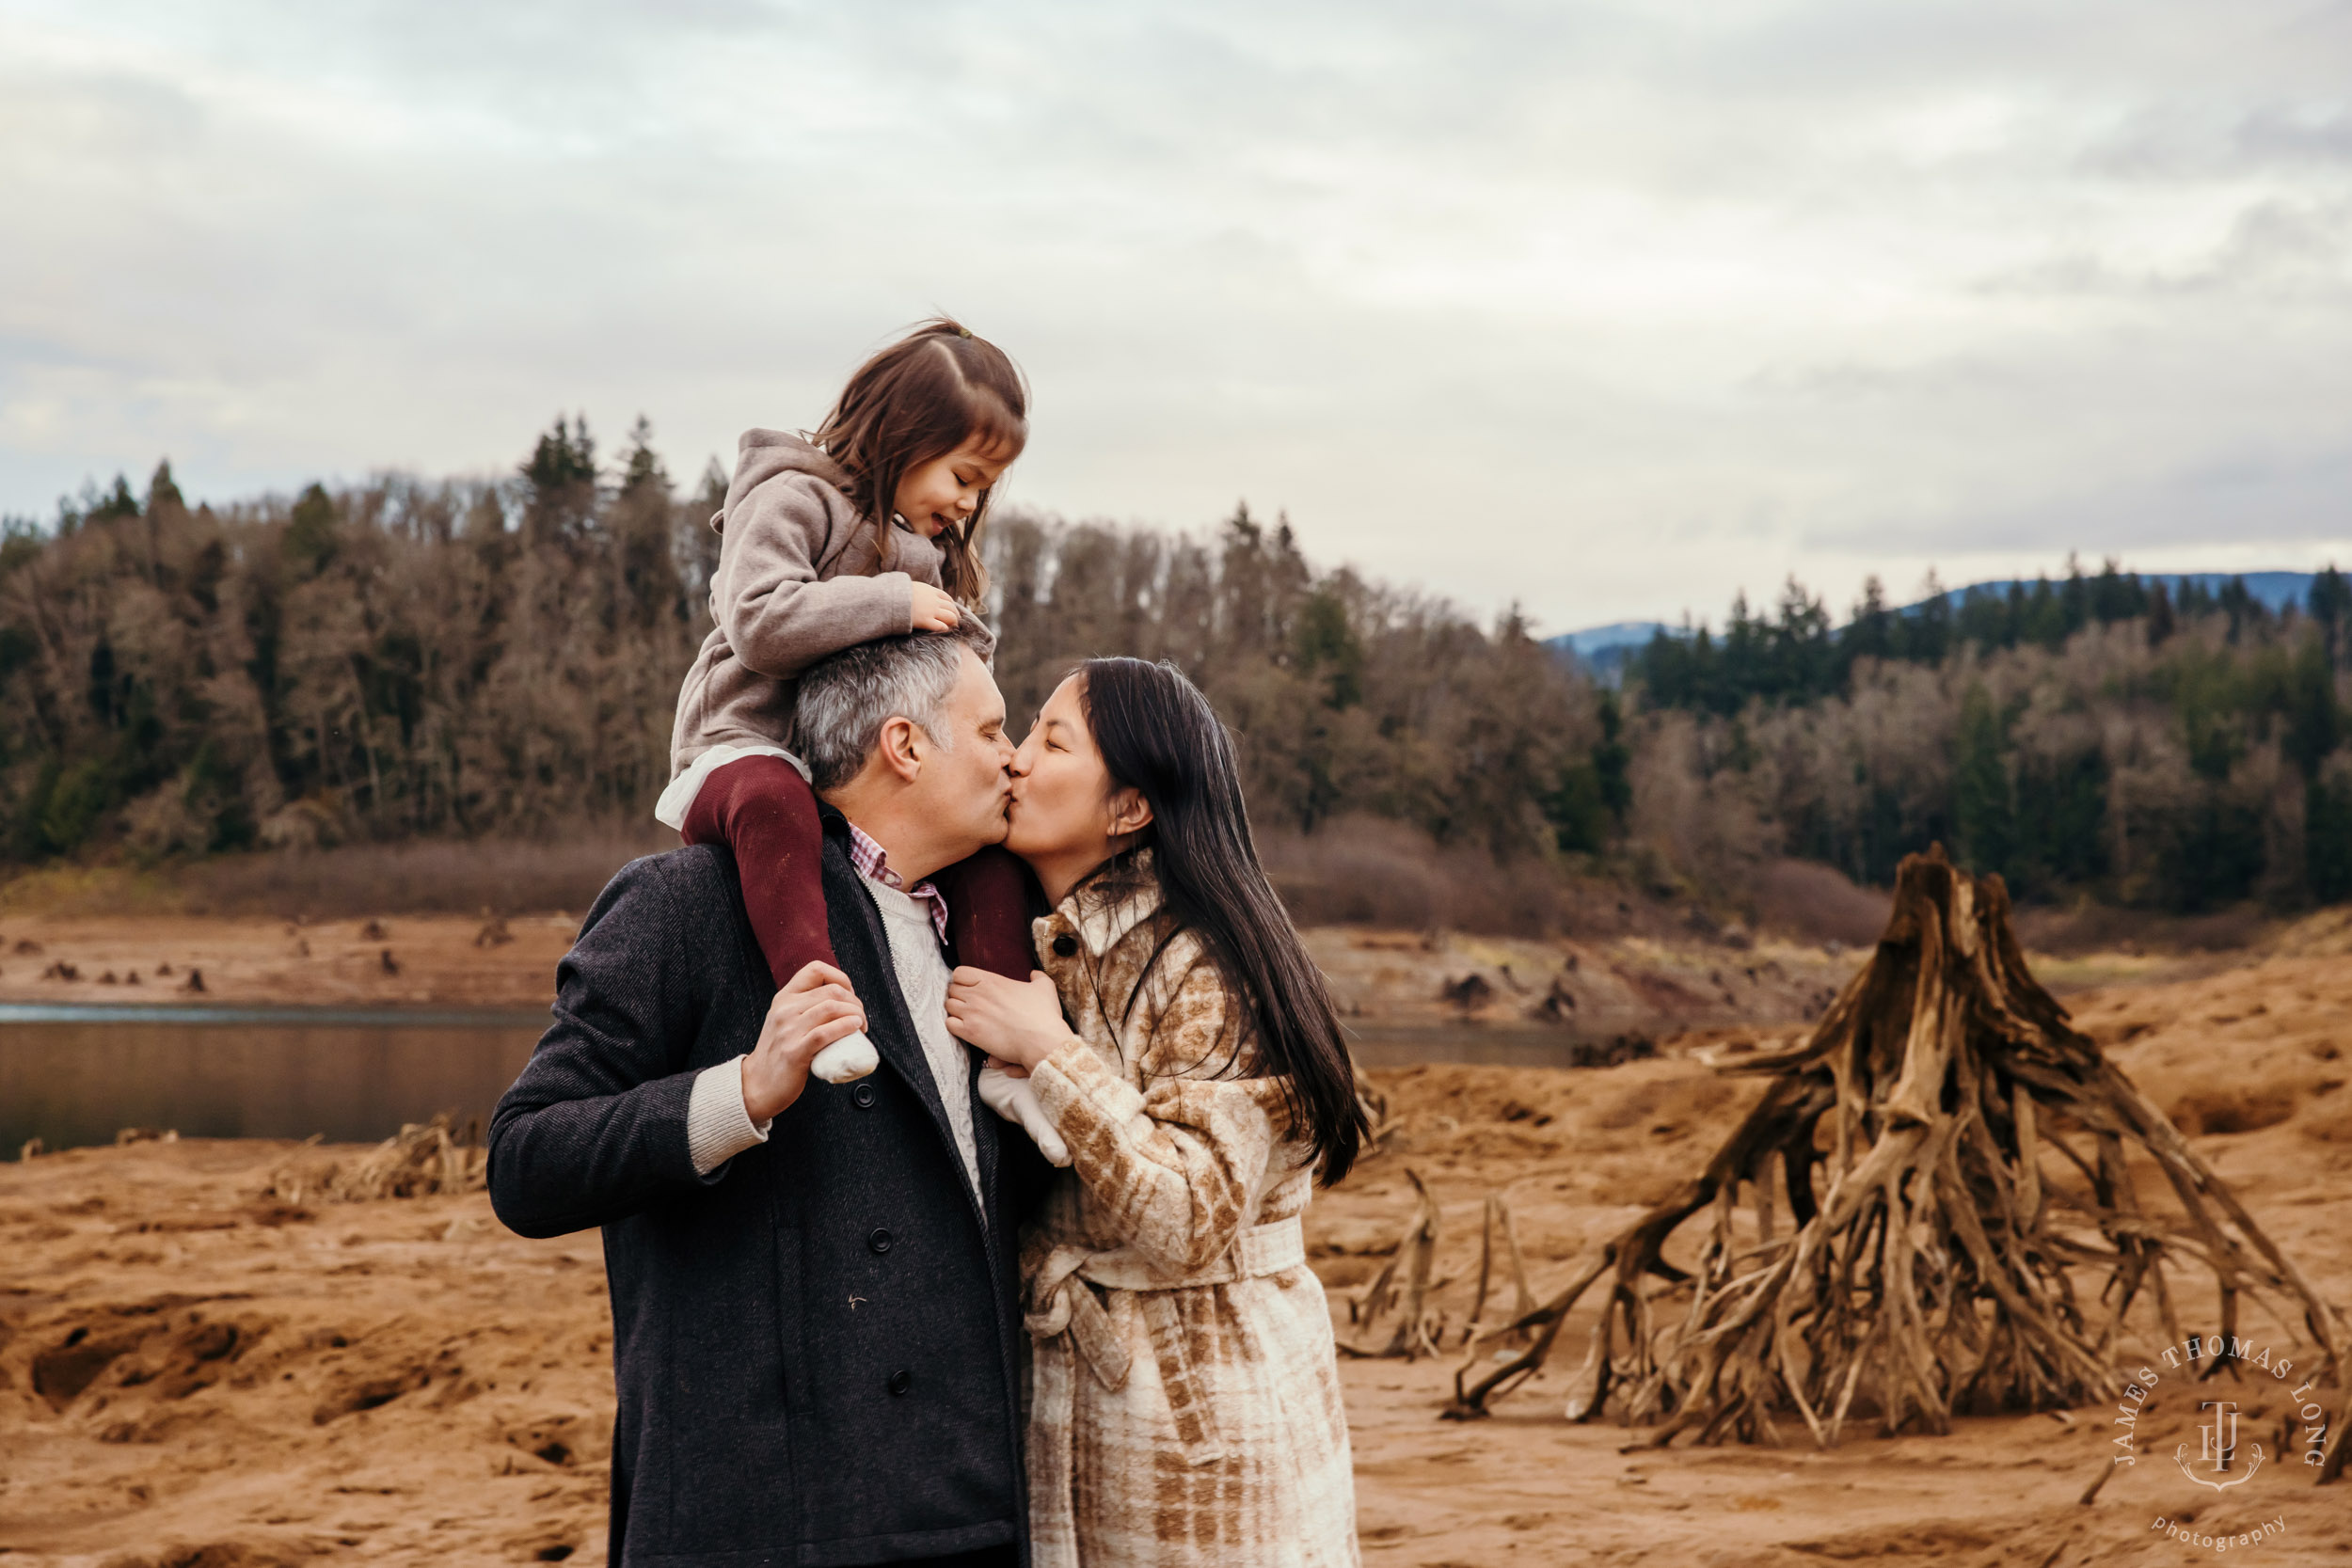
(2220, 1448)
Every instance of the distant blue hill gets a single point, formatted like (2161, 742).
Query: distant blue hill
(1596, 640)
(2276, 590)
(1604, 651)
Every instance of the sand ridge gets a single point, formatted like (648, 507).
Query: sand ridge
(398, 960)
(1383, 979)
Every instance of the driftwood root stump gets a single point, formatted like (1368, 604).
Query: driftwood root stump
(1910, 1258)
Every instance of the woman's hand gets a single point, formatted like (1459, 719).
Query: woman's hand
(935, 610)
(1018, 1024)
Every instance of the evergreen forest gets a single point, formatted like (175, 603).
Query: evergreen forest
(408, 659)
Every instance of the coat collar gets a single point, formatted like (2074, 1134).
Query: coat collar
(1110, 901)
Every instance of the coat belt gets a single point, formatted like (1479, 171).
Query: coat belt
(1066, 1315)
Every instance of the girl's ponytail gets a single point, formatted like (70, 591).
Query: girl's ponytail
(920, 399)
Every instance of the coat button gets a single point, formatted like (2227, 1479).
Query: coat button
(879, 1241)
(900, 1381)
(862, 1096)
(1065, 945)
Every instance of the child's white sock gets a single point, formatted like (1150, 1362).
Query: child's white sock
(846, 1060)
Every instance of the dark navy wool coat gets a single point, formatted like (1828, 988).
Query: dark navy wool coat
(815, 1346)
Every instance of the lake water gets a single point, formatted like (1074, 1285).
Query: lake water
(74, 1076)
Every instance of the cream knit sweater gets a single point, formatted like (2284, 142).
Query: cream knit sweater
(717, 1126)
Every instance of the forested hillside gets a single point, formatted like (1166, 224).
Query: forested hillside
(467, 658)
(402, 658)
(2096, 734)
(456, 660)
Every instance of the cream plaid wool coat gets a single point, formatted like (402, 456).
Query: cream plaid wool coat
(1186, 1402)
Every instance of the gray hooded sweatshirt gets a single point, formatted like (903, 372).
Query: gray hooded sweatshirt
(798, 579)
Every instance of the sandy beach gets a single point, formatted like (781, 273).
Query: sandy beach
(202, 1361)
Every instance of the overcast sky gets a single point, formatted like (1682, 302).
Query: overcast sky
(1612, 309)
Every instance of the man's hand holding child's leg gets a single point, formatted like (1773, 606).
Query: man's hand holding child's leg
(814, 1009)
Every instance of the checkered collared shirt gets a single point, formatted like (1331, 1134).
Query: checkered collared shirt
(873, 862)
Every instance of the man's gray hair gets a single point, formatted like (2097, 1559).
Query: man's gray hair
(844, 701)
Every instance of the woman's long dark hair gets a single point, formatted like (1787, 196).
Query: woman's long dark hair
(1159, 735)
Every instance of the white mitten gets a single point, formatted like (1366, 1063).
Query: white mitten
(846, 1060)
(1015, 1099)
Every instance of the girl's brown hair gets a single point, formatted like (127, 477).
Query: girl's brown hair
(918, 400)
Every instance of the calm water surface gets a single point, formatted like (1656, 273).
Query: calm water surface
(72, 1076)
(76, 1075)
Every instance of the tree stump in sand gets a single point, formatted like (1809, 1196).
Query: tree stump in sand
(1926, 1265)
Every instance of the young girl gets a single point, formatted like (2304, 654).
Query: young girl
(870, 527)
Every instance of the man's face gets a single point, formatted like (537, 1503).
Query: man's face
(963, 787)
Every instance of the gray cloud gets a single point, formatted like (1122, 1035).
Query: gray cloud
(1609, 308)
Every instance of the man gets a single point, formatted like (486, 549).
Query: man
(814, 1285)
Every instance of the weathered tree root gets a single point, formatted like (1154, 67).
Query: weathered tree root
(422, 1159)
(1402, 1287)
(1498, 1222)
(1933, 1268)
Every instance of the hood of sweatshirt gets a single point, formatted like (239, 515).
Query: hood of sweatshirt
(762, 455)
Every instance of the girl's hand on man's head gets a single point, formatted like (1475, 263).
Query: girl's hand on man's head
(1020, 1024)
(935, 610)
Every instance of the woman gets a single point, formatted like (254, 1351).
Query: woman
(1186, 1404)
